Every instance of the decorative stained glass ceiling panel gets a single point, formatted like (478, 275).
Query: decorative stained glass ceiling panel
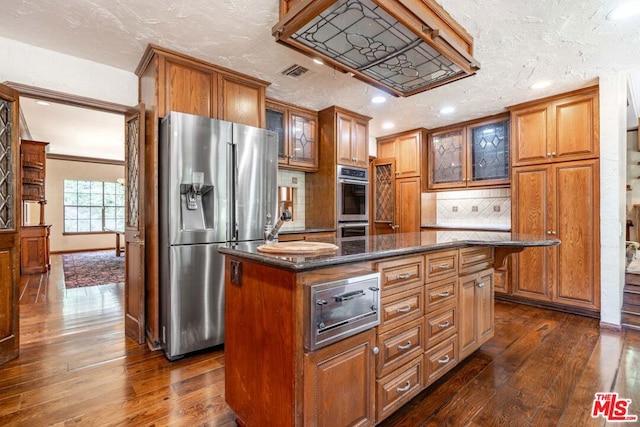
(360, 35)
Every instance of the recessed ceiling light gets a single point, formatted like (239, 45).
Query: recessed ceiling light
(378, 99)
(317, 61)
(541, 84)
(447, 110)
(387, 125)
(42, 103)
(624, 11)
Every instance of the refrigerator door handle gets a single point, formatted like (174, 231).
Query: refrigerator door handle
(234, 168)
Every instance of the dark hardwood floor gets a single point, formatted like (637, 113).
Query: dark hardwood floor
(76, 368)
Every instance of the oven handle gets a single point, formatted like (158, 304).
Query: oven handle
(349, 296)
(352, 181)
(353, 224)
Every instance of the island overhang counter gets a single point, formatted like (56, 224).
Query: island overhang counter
(434, 300)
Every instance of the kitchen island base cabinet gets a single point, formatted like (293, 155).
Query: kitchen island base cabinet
(339, 383)
(475, 302)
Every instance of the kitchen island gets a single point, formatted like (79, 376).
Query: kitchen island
(434, 296)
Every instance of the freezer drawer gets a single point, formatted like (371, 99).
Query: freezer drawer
(192, 293)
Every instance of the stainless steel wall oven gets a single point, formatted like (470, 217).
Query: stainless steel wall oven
(353, 194)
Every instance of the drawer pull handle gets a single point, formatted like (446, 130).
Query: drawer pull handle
(444, 294)
(444, 361)
(403, 276)
(481, 285)
(405, 346)
(406, 387)
(443, 266)
(405, 309)
(444, 325)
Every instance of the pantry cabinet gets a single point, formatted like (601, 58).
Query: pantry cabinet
(297, 132)
(469, 154)
(556, 191)
(171, 81)
(556, 129)
(561, 200)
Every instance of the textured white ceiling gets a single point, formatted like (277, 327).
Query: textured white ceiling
(517, 43)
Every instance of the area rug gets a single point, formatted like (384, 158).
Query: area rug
(92, 268)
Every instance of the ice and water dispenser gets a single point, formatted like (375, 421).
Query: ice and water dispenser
(196, 203)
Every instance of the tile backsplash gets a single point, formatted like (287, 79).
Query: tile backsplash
(295, 180)
(474, 207)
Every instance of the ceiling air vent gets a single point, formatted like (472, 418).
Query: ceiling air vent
(296, 71)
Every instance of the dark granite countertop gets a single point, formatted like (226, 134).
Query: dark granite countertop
(479, 227)
(352, 250)
(308, 230)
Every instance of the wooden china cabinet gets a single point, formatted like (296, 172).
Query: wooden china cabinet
(171, 81)
(556, 191)
(34, 238)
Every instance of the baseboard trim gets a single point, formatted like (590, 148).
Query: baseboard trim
(551, 306)
(73, 251)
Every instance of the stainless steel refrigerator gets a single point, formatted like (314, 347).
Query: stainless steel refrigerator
(217, 182)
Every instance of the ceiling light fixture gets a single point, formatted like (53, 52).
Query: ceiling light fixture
(318, 61)
(378, 99)
(624, 11)
(447, 110)
(401, 47)
(387, 125)
(42, 103)
(541, 84)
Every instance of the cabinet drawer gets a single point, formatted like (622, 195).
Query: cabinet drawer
(475, 258)
(401, 308)
(398, 387)
(440, 324)
(440, 265)
(440, 360)
(399, 345)
(399, 272)
(440, 293)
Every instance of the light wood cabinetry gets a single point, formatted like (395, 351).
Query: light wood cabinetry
(406, 149)
(343, 137)
(297, 130)
(339, 383)
(34, 238)
(475, 302)
(351, 136)
(556, 129)
(561, 200)
(555, 191)
(170, 81)
(469, 154)
(397, 184)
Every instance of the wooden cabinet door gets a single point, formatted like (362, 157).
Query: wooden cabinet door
(360, 144)
(241, 102)
(134, 285)
(303, 142)
(484, 306)
(575, 222)
(344, 134)
(407, 205)
(531, 131)
(9, 215)
(408, 149)
(188, 90)
(447, 159)
(467, 314)
(533, 268)
(339, 383)
(383, 202)
(577, 130)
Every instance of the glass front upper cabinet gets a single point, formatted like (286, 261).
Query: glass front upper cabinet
(472, 154)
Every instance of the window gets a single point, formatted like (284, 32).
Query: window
(93, 206)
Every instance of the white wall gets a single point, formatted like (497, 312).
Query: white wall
(57, 172)
(613, 102)
(34, 66)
